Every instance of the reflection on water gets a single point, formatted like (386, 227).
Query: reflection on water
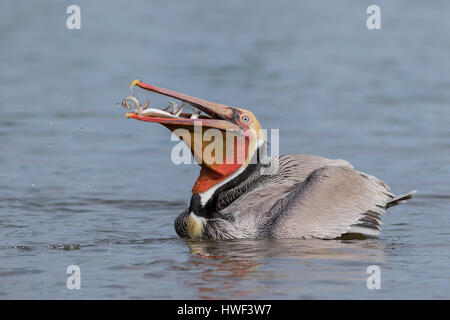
(225, 264)
(291, 248)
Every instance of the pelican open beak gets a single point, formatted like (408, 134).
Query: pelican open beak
(228, 121)
(219, 116)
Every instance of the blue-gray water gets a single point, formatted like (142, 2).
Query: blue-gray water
(82, 185)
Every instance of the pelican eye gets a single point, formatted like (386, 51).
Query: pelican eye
(245, 119)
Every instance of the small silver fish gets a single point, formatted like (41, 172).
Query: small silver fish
(132, 103)
(137, 107)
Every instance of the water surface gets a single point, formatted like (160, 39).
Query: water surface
(80, 184)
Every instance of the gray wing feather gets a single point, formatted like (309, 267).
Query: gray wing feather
(332, 201)
(288, 173)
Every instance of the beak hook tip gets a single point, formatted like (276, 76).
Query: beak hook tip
(134, 82)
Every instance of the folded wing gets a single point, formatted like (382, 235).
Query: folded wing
(332, 201)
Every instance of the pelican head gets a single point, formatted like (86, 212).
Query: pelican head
(224, 140)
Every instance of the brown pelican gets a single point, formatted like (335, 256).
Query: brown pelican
(302, 196)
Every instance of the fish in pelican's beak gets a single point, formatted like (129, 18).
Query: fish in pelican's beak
(239, 128)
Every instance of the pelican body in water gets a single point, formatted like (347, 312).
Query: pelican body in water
(289, 196)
